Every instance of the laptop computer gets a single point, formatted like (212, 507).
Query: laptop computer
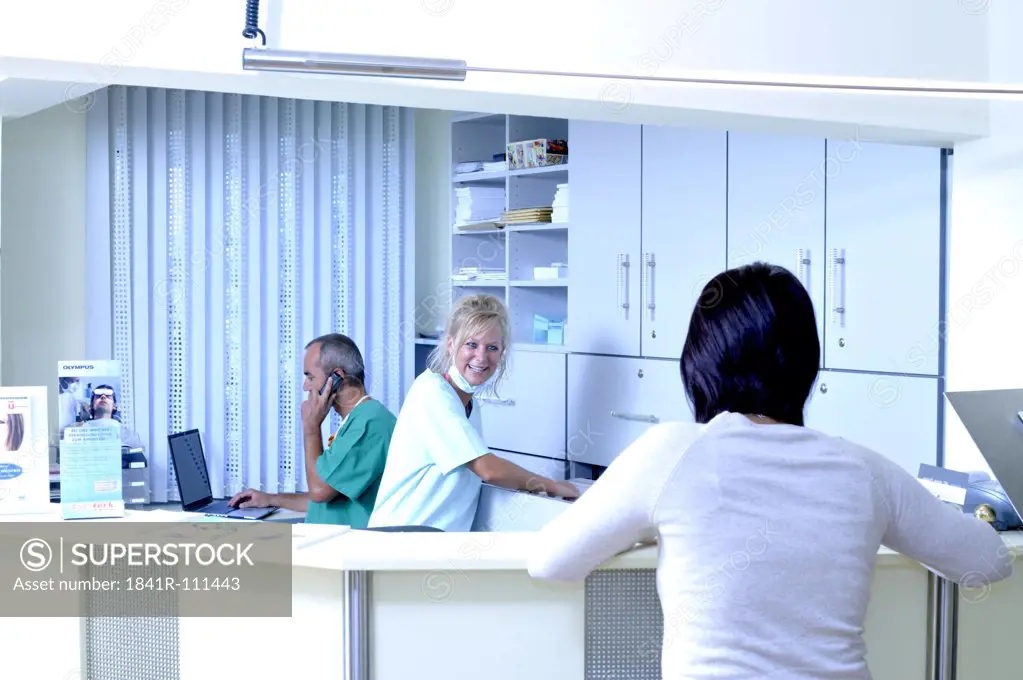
(994, 420)
(194, 480)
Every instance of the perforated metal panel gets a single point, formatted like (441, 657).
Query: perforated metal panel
(624, 625)
(120, 240)
(121, 647)
(342, 196)
(389, 369)
(179, 213)
(289, 216)
(235, 295)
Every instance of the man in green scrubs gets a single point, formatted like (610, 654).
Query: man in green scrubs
(343, 480)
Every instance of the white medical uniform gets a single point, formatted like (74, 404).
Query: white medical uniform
(426, 481)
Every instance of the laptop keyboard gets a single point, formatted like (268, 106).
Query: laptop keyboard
(218, 508)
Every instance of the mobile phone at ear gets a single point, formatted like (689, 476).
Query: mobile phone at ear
(335, 383)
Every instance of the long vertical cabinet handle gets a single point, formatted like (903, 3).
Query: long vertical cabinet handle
(623, 283)
(836, 300)
(648, 285)
(802, 262)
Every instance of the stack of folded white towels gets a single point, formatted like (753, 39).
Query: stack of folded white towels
(478, 204)
(560, 204)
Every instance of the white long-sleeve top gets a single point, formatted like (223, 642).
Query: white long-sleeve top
(768, 535)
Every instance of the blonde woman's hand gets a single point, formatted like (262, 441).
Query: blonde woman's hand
(566, 490)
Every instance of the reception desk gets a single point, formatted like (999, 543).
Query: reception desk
(393, 606)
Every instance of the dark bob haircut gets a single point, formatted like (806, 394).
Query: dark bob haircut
(752, 346)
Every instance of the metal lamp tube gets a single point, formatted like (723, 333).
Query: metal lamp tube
(261, 59)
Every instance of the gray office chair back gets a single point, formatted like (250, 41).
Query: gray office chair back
(395, 529)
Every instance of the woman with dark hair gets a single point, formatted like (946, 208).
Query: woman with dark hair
(767, 530)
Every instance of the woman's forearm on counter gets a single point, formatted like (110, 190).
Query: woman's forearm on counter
(500, 472)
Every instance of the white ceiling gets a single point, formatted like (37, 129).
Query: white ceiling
(21, 97)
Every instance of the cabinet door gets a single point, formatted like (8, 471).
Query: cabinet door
(613, 400)
(776, 207)
(522, 418)
(897, 416)
(684, 229)
(604, 246)
(884, 243)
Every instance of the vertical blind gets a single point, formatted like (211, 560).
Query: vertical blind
(234, 229)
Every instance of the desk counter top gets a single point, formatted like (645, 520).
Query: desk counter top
(338, 548)
(379, 551)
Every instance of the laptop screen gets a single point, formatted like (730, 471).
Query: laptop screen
(992, 417)
(190, 467)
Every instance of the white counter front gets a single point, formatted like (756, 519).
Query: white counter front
(392, 606)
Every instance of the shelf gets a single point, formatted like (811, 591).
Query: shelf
(537, 226)
(489, 283)
(542, 283)
(534, 347)
(477, 230)
(534, 244)
(545, 170)
(498, 176)
(492, 177)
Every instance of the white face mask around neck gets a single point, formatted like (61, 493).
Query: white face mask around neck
(460, 382)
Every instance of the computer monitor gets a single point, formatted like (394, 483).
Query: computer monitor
(190, 469)
(194, 480)
(994, 419)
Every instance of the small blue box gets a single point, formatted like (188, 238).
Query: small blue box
(547, 331)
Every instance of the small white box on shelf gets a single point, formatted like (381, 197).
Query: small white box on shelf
(556, 270)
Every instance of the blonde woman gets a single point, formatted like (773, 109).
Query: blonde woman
(437, 460)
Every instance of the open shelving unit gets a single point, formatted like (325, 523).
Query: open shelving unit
(478, 239)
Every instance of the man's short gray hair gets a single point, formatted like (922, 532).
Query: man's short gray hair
(338, 351)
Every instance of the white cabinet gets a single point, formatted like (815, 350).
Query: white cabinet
(613, 400)
(649, 219)
(860, 225)
(528, 413)
(884, 241)
(895, 415)
(656, 212)
(604, 249)
(776, 203)
(684, 229)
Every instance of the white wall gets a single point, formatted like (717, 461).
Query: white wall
(188, 44)
(433, 217)
(43, 281)
(985, 322)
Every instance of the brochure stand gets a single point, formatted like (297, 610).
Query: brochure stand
(90, 473)
(24, 451)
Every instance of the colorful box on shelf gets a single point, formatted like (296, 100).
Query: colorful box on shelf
(556, 270)
(537, 153)
(547, 331)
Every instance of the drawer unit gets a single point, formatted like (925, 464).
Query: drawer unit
(528, 415)
(135, 485)
(613, 400)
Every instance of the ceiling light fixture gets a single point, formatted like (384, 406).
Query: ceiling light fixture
(262, 59)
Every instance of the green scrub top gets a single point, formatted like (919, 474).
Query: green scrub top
(353, 465)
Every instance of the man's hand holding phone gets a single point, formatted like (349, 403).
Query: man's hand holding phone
(316, 406)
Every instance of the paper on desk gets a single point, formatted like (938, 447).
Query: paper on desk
(305, 535)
